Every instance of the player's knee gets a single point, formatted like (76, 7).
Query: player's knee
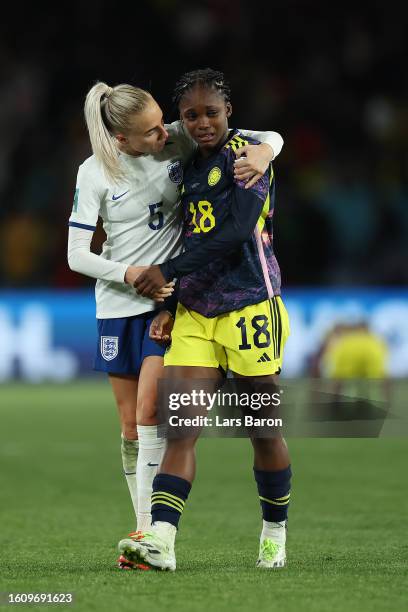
(268, 444)
(129, 431)
(181, 444)
(146, 411)
(127, 414)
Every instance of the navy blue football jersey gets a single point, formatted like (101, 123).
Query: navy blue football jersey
(214, 203)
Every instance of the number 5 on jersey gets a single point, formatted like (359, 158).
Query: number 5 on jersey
(157, 217)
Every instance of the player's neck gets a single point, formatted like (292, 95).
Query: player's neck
(128, 150)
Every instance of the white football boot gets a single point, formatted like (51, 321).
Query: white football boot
(149, 549)
(272, 547)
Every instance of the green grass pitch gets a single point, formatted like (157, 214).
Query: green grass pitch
(65, 505)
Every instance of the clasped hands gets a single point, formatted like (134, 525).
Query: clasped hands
(149, 282)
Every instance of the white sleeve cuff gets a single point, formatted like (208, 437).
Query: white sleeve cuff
(273, 139)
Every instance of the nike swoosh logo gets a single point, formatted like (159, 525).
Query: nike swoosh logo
(119, 196)
(153, 464)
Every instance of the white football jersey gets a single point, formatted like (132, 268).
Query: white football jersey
(141, 215)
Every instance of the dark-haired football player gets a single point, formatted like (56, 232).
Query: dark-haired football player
(230, 311)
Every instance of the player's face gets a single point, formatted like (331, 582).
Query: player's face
(147, 134)
(205, 115)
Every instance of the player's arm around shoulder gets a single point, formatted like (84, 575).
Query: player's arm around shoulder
(252, 162)
(258, 186)
(253, 159)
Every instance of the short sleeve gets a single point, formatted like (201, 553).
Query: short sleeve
(87, 201)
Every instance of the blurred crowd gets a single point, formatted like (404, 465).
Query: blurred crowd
(330, 78)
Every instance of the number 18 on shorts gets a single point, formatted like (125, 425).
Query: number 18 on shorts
(248, 341)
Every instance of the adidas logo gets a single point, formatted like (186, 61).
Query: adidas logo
(264, 357)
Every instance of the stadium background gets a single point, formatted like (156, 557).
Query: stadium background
(331, 78)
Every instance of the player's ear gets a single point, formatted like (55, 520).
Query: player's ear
(121, 138)
(229, 109)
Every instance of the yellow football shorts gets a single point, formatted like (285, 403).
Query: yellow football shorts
(248, 341)
(357, 355)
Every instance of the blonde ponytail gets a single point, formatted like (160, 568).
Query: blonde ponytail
(108, 111)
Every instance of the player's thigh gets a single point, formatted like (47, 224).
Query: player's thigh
(149, 354)
(193, 343)
(191, 380)
(125, 389)
(270, 379)
(192, 372)
(150, 373)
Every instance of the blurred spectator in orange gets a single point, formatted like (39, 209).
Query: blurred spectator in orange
(25, 244)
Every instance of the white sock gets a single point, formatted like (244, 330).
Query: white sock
(274, 531)
(151, 449)
(165, 531)
(129, 450)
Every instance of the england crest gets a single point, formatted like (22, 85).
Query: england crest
(176, 172)
(109, 347)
